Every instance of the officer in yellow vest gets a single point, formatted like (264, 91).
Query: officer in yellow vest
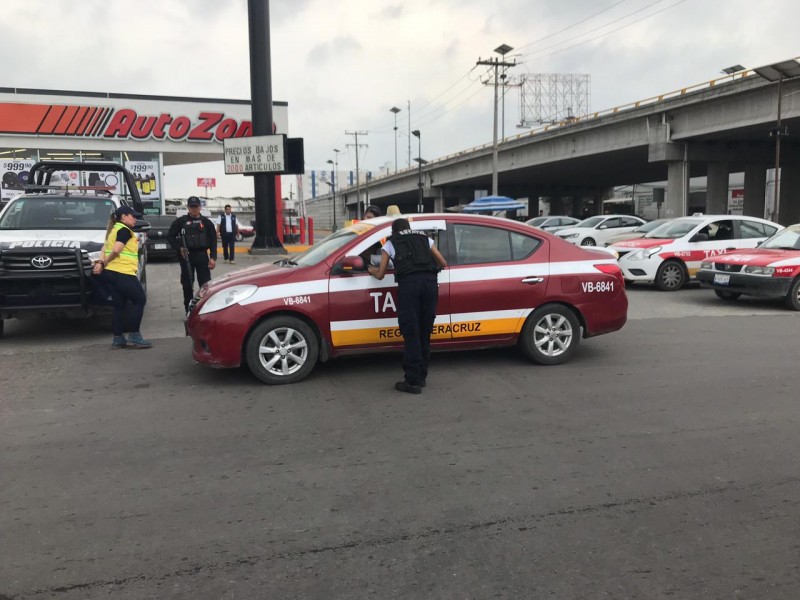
(118, 269)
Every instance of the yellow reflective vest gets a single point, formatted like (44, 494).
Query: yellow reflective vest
(127, 262)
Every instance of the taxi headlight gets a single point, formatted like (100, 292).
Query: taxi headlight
(227, 297)
(754, 270)
(706, 265)
(93, 256)
(644, 253)
(570, 235)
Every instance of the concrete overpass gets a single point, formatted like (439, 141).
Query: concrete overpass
(712, 129)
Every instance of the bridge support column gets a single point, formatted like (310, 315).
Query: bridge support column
(755, 189)
(677, 189)
(557, 206)
(789, 208)
(717, 188)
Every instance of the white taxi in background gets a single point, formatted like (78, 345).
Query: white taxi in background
(770, 271)
(671, 254)
(594, 231)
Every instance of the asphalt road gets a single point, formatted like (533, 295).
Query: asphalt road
(660, 463)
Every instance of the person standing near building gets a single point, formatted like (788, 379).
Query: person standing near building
(416, 264)
(118, 269)
(194, 238)
(228, 229)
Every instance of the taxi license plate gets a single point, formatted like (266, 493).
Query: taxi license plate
(721, 279)
(159, 246)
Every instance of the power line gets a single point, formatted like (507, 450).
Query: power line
(543, 51)
(568, 27)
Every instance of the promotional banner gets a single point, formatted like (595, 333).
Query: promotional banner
(145, 176)
(14, 177)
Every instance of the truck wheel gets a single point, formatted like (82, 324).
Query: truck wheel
(282, 349)
(550, 335)
(143, 280)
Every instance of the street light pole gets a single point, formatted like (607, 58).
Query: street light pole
(333, 191)
(421, 161)
(496, 63)
(395, 110)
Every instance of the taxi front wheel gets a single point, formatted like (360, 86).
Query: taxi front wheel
(671, 276)
(282, 349)
(793, 297)
(550, 335)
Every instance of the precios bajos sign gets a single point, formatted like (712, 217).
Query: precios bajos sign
(260, 154)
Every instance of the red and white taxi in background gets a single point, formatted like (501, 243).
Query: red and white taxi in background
(671, 254)
(506, 283)
(770, 271)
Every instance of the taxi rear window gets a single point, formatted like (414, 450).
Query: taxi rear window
(475, 244)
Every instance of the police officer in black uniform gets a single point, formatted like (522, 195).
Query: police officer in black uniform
(194, 237)
(416, 264)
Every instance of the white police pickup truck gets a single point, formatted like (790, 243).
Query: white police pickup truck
(49, 237)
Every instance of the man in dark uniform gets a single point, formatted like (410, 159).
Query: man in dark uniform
(416, 264)
(194, 236)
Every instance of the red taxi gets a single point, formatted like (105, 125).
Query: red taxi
(770, 271)
(506, 284)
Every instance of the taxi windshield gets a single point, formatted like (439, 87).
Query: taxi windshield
(785, 239)
(323, 249)
(590, 222)
(673, 229)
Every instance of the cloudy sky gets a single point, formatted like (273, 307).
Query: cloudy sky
(342, 65)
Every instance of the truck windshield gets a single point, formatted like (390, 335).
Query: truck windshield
(48, 212)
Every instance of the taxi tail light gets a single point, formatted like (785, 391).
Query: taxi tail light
(610, 269)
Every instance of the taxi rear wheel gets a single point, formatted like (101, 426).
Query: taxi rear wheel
(550, 335)
(282, 349)
(727, 295)
(671, 276)
(793, 297)
(588, 242)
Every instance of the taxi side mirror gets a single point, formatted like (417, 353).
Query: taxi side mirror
(603, 227)
(699, 237)
(349, 265)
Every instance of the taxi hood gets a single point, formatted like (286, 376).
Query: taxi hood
(643, 243)
(758, 257)
(259, 275)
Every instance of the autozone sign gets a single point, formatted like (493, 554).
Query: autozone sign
(118, 123)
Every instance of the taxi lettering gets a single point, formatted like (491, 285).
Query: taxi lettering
(784, 270)
(597, 286)
(388, 302)
(293, 300)
(437, 330)
(709, 253)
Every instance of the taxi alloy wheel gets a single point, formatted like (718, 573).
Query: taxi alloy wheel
(588, 242)
(793, 297)
(727, 295)
(282, 349)
(550, 335)
(671, 276)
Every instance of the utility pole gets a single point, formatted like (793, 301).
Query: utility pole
(409, 133)
(357, 146)
(496, 63)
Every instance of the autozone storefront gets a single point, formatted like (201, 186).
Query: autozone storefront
(143, 133)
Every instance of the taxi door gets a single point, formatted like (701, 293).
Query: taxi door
(497, 278)
(363, 310)
(717, 237)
